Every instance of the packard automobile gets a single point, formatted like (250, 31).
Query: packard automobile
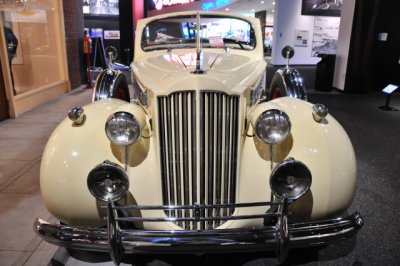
(194, 156)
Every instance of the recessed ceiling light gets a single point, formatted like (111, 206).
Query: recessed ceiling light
(273, 3)
(226, 9)
(273, 10)
(252, 10)
(262, 2)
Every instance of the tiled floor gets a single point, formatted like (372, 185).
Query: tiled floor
(22, 141)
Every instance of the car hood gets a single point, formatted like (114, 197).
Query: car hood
(167, 72)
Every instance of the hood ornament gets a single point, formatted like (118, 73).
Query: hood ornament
(199, 53)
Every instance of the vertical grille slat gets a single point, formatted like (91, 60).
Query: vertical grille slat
(234, 149)
(177, 151)
(228, 158)
(210, 157)
(214, 146)
(218, 155)
(202, 159)
(170, 161)
(163, 153)
(185, 148)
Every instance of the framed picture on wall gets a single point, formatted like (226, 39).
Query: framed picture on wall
(111, 35)
(330, 8)
(100, 7)
(326, 35)
(301, 38)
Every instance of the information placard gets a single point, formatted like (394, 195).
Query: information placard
(390, 88)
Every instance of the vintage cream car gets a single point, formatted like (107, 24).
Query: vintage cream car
(195, 158)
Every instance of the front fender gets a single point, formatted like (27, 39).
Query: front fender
(323, 146)
(72, 152)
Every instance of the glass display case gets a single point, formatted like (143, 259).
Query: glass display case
(33, 41)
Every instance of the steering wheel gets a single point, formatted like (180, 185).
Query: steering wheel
(230, 40)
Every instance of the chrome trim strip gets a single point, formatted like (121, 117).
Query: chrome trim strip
(183, 207)
(193, 219)
(143, 241)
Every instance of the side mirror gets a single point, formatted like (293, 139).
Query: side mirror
(112, 54)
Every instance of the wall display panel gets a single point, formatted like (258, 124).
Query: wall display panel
(160, 4)
(326, 34)
(321, 7)
(100, 7)
(301, 38)
(111, 35)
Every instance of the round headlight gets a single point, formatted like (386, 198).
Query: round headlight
(273, 126)
(291, 178)
(122, 128)
(108, 181)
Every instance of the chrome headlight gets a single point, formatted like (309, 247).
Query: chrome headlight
(122, 128)
(108, 181)
(291, 178)
(273, 126)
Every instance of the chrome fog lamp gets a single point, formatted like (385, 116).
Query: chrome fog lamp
(122, 128)
(273, 126)
(291, 178)
(108, 181)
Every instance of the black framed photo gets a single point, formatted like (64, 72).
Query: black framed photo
(331, 8)
(100, 7)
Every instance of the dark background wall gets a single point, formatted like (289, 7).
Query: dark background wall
(73, 21)
(127, 32)
(373, 63)
(4, 112)
(386, 67)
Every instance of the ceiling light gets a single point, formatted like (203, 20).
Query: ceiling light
(273, 3)
(226, 9)
(273, 10)
(262, 2)
(252, 10)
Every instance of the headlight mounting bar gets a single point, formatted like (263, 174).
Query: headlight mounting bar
(196, 212)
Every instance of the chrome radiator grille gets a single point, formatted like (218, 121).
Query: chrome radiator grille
(198, 153)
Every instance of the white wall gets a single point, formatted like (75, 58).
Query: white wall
(343, 45)
(287, 19)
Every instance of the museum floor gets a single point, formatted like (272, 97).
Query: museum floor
(375, 135)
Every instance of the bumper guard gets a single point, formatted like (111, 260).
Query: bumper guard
(279, 237)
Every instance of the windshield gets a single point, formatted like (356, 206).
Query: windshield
(216, 32)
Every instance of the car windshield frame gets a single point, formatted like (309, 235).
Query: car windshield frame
(179, 32)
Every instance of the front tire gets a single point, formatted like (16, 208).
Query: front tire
(277, 88)
(120, 89)
(111, 84)
(287, 82)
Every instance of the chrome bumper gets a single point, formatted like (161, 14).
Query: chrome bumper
(279, 237)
